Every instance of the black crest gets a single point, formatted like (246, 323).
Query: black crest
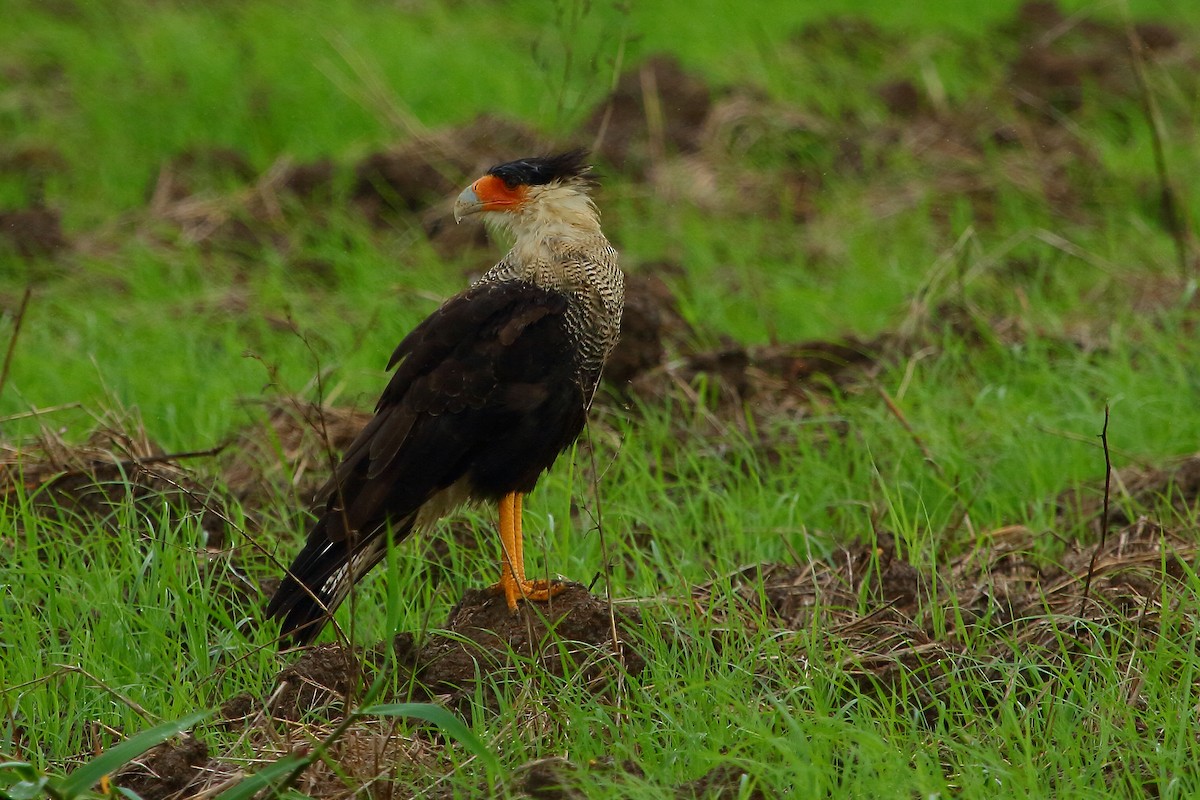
(544, 169)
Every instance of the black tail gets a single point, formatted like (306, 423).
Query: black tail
(319, 580)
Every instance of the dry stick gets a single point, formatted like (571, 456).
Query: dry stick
(12, 343)
(1172, 206)
(34, 411)
(1087, 584)
(612, 615)
(903, 420)
(321, 429)
(602, 130)
(351, 535)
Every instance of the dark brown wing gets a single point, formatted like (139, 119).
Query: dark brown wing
(484, 398)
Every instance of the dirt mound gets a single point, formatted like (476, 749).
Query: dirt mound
(1017, 606)
(481, 647)
(657, 109)
(117, 466)
(1058, 56)
(431, 168)
(573, 631)
(212, 197)
(560, 779)
(34, 232)
(656, 358)
(650, 324)
(1137, 491)
(481, 639)
(166, 770)
(201, 170)
(777, 378)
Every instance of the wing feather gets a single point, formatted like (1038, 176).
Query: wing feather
(485, 391)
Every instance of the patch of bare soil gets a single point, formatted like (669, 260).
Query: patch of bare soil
(481, 646)
(1019, 607)
(34, 232)
(657, 109)
(117, 466)
(1137, 492)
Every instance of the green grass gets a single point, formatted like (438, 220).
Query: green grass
(1023, 323)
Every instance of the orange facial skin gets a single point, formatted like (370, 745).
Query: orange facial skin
(496, 196)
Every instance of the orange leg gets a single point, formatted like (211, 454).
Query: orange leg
(508, 546)
(518, 536)
(513, 584)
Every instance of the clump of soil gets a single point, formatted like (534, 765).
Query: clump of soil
(166, 770)
(657, 109)
(572, 632)
(115, 467)
(428, 169)
(1017, 605)
(34, 232)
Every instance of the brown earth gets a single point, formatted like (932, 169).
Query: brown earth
(117, 466)
(482, 645)
(34, 232)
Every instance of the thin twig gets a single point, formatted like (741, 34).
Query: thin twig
(12, 343)
(132, 704)
(618, 651)
(1172, 205)
(37, 412)
(903, 420)
(1087, 584)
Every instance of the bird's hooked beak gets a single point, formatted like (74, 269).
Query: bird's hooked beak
(489, 193)
(468, 203)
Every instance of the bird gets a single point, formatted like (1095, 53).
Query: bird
(486, 393)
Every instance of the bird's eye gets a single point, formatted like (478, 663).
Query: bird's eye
(511, 184)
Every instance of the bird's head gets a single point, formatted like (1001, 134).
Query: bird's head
(529, 193)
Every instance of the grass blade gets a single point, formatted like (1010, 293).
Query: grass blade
(445, 721)
(114, 758)
(262, 779)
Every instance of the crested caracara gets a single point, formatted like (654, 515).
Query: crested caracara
(487, 391)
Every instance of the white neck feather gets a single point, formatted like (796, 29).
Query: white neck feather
(551, 216)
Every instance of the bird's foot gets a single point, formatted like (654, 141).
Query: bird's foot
(515, 590)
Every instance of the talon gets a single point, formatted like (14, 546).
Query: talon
(515, 591)
(512, 583)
